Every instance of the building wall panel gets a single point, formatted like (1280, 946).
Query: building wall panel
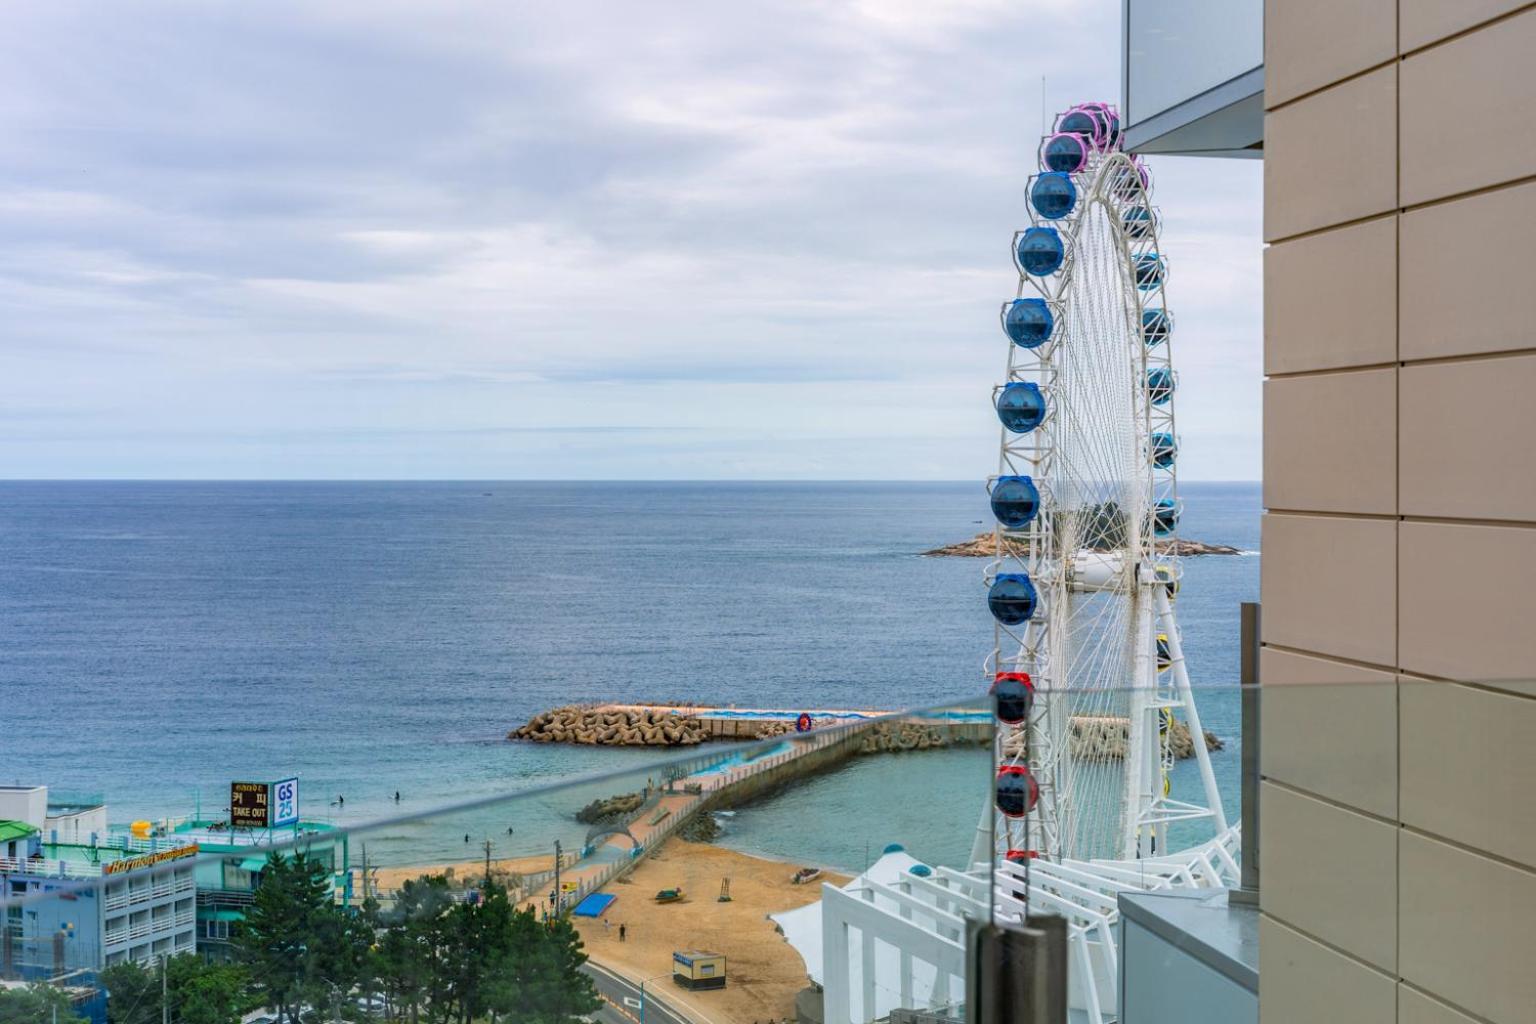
(1331, 157)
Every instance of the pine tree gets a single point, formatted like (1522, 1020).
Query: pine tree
(279, 941)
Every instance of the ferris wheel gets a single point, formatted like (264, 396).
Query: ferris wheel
(1087, 669)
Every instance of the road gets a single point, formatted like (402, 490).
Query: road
(621, 992)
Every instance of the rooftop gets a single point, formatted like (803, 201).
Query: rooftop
(215, 834)
(15, 830)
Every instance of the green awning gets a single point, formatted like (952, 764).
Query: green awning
(253, 863)
(15, 830)
(224, 915)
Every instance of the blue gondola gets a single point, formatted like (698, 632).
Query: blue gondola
(1066, 153)
(1028, 322)
(1131, 182)
(1054, 195)
(1021, 406)
(1160, 384)
(1078, 122)
(1013, 694)
(1012, 599)
(1017, 791)
(1137, 221)
(1149, 269)
(1111, 126)
(1040, 251)
(1015, 501)
(1165, 517)
(1156, 325)
(1163, 447)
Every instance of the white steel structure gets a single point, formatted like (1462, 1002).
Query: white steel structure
(1099, 552)
(1082, 588)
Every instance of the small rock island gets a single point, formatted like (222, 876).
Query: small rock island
(984, 545)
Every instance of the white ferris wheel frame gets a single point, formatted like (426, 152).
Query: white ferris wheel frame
(1107, 184)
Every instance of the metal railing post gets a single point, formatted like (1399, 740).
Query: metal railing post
(1252, 708)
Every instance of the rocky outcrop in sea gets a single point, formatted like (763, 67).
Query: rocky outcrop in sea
(984, 545)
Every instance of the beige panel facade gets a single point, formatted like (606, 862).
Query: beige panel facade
(1399, 207)
(1363, 33)
(1348, 316)
(1466, 107)
(1342, 890)
(1468, 928)
(1341, 442)
(1425, 22)
(1307, 981)
(1473, 773)
(1479, 463)
(1476, 620)
(1464, 285)
(1351, 125)
(1330, 728)
(1414, 1007)
(1329, 586)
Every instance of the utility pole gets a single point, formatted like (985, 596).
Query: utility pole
(557, 878)
(165, 1002)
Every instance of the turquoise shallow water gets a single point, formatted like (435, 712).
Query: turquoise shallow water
(158, 640)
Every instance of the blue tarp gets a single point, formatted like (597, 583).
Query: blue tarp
(594, 905)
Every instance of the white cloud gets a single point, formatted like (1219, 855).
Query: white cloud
(245, 240)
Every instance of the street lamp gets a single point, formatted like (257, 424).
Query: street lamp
(644, 983)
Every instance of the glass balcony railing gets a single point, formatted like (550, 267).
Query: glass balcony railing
(879, 868)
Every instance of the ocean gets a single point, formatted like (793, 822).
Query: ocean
(159, 640)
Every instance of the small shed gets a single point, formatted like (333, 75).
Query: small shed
(698, 969)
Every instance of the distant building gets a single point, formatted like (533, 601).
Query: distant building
(234, 852)
(230, 869)
(77, 899)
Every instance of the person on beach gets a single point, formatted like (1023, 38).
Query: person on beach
(621, 932)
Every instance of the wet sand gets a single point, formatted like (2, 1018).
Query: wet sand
(763, 971)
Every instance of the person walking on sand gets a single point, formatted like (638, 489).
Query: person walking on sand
(622, 931)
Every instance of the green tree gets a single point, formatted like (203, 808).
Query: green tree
(133, 994)
(208, 993)
(35, 1004)
(200, 992)
(296, 944)
(406, 960)
(566, 993)
(442, 961)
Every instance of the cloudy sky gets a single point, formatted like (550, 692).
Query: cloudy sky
(375, 239)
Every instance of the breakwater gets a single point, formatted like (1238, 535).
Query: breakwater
(671, 725)
(1092, 737)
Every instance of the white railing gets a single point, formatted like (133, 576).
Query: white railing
(46, 868)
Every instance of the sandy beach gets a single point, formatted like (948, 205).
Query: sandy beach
(764, 972)
(393, 878)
